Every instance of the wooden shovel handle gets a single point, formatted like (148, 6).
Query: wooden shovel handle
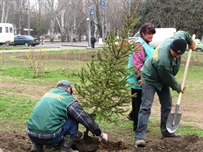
(185, 72)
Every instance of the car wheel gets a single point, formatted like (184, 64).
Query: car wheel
(26, 44)
(198, 50)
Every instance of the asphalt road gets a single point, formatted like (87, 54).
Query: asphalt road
(83, 44)
(57, 46)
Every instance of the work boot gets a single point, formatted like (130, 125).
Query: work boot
(77, 137)
(140, 143)
(129, 116)
(166, 134)
(66, 144)
(37, 148)
(68, 150)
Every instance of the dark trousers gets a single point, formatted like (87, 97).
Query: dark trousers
(136, 102)
(70, 128)
(92, 45)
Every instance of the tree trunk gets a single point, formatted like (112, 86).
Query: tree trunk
(3, 12)
(52, 30)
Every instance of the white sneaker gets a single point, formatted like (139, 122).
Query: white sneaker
(140, 143)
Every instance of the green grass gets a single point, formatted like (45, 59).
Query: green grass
(15, 107)
(154, 124)
(11, 47)
(185, 129)
(55, 69)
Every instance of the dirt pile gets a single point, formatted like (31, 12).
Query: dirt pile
(18, 141)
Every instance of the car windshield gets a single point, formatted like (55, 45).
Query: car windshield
(29, 37)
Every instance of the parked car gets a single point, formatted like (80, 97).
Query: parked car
(131, 39)
(26, 40)
(199, 46)
(127, 40)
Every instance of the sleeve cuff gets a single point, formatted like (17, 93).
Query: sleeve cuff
(97, 132)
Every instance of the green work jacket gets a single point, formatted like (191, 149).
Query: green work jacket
(161, 68)
(50, 113)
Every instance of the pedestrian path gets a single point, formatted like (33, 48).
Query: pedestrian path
(82, 44)
(55, 46)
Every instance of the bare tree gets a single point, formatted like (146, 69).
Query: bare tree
(20, 9)
(61, 18)
(71, 18)
(180, 14)
(5, 8)
(115, 15)
(51, 8)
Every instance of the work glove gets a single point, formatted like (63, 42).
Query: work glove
(181, 91)
(104, 136)
(192, 46)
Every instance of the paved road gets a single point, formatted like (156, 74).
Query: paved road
(83, 44)
(57, 46)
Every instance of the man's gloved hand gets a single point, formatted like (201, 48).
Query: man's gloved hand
(104, 136)
(192, 46)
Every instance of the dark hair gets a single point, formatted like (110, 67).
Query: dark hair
(147, 28)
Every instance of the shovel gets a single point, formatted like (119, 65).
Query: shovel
(173, 120)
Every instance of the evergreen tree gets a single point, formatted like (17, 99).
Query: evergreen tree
(103, 83)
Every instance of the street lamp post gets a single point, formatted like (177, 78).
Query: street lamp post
(104, 7)
(29, 17)
(89, 24)
(103, 26)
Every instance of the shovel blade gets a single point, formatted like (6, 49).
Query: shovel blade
(173, 122)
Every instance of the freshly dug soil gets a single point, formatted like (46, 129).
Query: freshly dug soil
(18, 141)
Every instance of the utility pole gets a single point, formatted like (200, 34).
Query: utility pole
(103, 26)
(29, 17)
(103, 6)
(89, 24)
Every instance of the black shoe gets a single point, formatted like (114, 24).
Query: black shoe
(37, 148)
(66, 144)
(129, 118)
(78, 136)
(166, 134)
(67, 150)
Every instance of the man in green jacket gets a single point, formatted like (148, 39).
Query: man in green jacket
(55, 119)
(158, 75)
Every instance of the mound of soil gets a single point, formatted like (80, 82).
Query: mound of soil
(18, 141)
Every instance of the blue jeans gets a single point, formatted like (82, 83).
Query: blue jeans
(70, 128)
(165, 100)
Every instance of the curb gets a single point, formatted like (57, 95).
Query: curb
(80, 46)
